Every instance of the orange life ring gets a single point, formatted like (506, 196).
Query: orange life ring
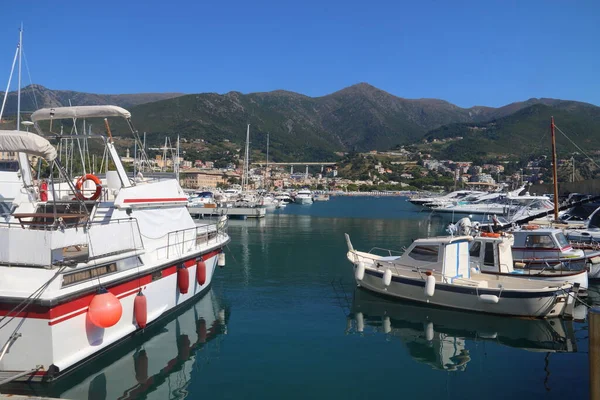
(79, 195)
(490, 234)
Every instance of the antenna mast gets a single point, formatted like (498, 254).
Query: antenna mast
(554, 171)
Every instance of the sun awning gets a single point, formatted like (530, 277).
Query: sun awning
(45, 114)
(27, 142)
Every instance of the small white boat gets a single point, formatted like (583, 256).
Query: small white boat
(202, 199)
(321, 197)
(303, 196)
(284, 197)
(437, 271)
(540, 247)
(491, 253)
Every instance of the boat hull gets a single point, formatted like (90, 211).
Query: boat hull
(556, 278)
(514, 303)
(59, 338)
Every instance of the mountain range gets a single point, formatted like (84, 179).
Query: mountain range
(358, 118)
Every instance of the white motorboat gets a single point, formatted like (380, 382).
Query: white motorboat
(437, 271)
(321, 197)
(540, 248)
(590, 233)
(202, 199)
(509, 207)
(284, 197)
(107, 262)
(303, 196)
(492, 253)
(450, 198)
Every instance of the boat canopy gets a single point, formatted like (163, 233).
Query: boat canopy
(27, 142)
(45, 114)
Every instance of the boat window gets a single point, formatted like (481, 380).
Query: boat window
(475, 249)
(539, 241)
(9, 166)
(425, 253)
(561, 239)
(488, 258)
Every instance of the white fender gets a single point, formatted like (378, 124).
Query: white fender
(430, 285)
(221, 260)
(387, 277)
(489, 298)
(360, 271)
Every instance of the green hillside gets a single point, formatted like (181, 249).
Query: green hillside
(526, 131)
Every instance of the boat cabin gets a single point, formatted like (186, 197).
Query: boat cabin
(542, 243)
(492, 253)
(446, 255)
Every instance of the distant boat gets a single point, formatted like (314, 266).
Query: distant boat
(321, 197)
(304, 196)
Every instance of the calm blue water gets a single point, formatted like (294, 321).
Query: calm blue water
(292, 326)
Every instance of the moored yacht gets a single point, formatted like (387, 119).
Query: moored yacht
(304, 196)
(284, 197)
(107, 262)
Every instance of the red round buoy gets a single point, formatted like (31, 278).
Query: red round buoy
(141, 366)
(183, 279)
(105, 309)
(140, 310)
(201, 272)
(201, 330)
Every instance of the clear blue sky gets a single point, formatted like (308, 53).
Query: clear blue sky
(467, 52)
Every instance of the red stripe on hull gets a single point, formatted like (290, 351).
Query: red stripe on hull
(68, 310)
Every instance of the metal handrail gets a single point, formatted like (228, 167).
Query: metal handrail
(198, 231)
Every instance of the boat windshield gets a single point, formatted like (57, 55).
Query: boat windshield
(561, 239)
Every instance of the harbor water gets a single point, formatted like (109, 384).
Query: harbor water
(284, 320)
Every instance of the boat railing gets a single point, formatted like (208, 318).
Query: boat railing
(60, 243)
(397, 266)
(390, 252)
(183, 241)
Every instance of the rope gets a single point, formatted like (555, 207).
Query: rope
(578, 148)
(576, 298)
(30, 80)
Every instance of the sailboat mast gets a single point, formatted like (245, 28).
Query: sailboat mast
(245, 171)
(554, 169)
(267, 166)
(19, 78)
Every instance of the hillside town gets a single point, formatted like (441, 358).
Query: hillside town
(397, 170)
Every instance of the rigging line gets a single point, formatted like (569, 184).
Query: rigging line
(25, 302)
(30, 81)
(578, 148)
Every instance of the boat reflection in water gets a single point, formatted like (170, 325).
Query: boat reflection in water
(158, 361)
(438, 337)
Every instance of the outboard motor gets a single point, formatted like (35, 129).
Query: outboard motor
(463, 226)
